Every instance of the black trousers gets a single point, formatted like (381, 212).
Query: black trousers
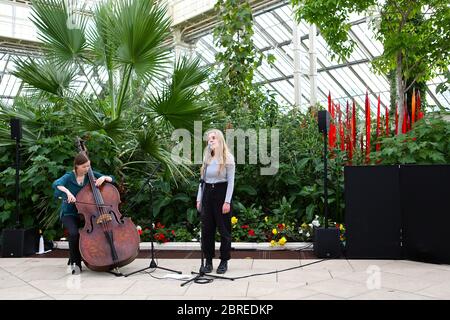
(72, 224)
(212, 217)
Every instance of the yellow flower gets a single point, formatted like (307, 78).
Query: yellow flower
(273, 243)
(341, 227)
(282, 241)
(274, 231)
(284, 226)
(266, 219)
(234, 220)
(304, 225)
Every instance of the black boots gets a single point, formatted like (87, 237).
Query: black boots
(223, 267)
(208, 266)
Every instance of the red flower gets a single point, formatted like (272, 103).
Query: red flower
(245, 226)
(159, 237)
(159, 225)
(251, 232)
(173, 232)
(280, 226)
(139, 232)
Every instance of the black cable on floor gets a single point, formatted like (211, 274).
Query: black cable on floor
(209, 280)
(278, 271)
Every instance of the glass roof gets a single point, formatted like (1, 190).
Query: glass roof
(273, 35)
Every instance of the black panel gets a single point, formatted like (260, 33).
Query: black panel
(372, 212)
(425, 194)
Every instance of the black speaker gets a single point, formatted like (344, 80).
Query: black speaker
(323, 117)
(16, 128)
(20, 242)
(326, 243)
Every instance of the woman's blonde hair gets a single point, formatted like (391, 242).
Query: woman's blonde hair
(223, 154)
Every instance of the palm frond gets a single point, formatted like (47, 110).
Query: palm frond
(188, 74)
(101, 39)
(90, 117)
(148, 143)
(30, 127)
(141, 27)
(44, 76)
(62, 32)
(177, 104)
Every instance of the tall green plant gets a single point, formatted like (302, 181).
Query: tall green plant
(415, 35)
(136, 95)
(232, 85)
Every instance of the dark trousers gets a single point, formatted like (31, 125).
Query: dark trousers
(72, 224)
(212, 217)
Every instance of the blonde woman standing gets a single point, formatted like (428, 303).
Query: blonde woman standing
(214, 199)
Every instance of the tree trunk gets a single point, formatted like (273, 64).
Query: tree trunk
(400, 91)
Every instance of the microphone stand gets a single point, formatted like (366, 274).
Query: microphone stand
(153, 264)
(201, 275)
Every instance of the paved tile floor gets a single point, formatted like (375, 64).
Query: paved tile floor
(49, 278)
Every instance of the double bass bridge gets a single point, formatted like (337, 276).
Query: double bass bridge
(104, 218)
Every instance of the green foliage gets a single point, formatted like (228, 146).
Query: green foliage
(420, 31)
(251, 225)
(427, 143)
(415, 34)
(332, 18)
(231, 87)
(127, 124)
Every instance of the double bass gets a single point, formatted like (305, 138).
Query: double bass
(108, 240)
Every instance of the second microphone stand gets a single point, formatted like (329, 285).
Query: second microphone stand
(153, 264)
(201, 276)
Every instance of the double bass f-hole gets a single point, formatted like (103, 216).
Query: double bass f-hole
(120, 221)
(91, 224)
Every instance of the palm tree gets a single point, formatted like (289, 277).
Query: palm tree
(135, 100)
(136, 94)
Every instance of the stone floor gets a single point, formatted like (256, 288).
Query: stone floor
(309, 279)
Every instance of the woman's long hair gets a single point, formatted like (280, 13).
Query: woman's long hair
(223, 154)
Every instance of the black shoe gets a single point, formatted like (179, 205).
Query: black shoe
(223, 267)
(208, 266)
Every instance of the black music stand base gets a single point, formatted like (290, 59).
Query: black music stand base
(202, 277)
(152, 265)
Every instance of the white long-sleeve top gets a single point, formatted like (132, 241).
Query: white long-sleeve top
(212, 175)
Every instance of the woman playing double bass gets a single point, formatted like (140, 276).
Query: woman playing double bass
(67, 188)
